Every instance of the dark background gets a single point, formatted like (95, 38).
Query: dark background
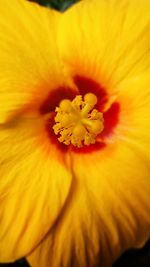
(60, 5)
(131, 258)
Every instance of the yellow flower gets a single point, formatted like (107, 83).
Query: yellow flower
(74, 131)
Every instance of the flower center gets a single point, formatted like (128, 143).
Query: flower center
(76, 122)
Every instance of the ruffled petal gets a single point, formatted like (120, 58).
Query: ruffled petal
(105, 210)
(29, 61)
(110, 41)
(107, 214)
(109, 209)
(34, 186)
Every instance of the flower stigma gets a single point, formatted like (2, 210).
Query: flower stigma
(76, 122)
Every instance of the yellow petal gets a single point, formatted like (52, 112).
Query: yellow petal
(134, 126)
(107, 214)
(110, 39)
(29, 61)
(110, 191)
(109, 209)
(34, 186)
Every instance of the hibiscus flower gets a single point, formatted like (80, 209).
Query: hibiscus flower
(74, 132)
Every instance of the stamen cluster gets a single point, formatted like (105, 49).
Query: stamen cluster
(77, 123)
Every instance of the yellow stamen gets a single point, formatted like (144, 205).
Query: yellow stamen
(76, 121)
